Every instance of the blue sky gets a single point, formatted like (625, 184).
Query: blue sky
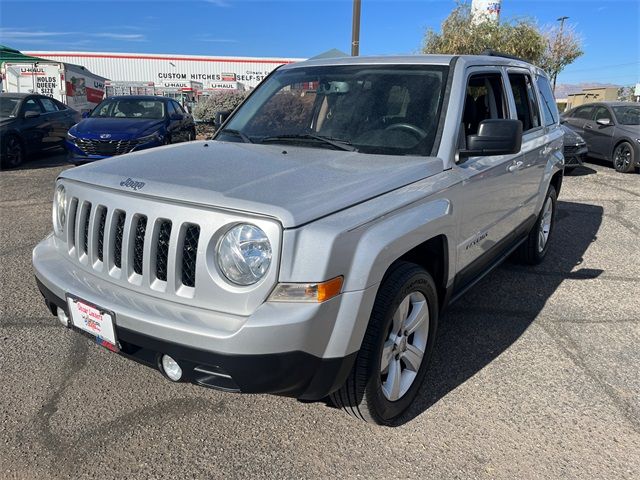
(303, 28)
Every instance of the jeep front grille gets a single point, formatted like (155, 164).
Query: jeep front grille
(109, 238)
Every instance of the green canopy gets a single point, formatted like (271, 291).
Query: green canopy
(8, 54)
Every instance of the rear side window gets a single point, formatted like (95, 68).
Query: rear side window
(48, 104)
(585, 113)
(61, 106)
(549, 108)
(526, 103)
(171, 108)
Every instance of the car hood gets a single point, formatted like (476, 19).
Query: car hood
(571, 137)
(117, 127)
(296, 185)
(4, 121)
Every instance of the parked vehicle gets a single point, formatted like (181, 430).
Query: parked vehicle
(611, 130)
(127, 124)
(73, 85)
(309, 248)
(31, 124)
(575, 149)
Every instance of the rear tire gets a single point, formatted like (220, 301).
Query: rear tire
(624, 158)
(13, 152)
(396, 349)
(535, 248)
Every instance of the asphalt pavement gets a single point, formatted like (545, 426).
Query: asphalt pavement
(536, 373)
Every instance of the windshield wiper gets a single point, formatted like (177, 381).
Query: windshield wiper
(231, 131)
(334, 142)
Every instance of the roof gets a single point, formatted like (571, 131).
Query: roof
(410, 60)
(139, 97)
(8, 54)
(16, 95)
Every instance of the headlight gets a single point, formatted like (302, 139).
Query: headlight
(244, 254)
(60, 205)
(150, 138)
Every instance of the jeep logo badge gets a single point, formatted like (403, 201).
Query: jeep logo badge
(133, 184)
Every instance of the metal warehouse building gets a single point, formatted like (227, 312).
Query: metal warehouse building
(174, 71)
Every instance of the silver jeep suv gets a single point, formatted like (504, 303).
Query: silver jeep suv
(309, 248)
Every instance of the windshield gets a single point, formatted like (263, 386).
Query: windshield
(9, 107)
(387, 109)
(129, 108)
(627, 115)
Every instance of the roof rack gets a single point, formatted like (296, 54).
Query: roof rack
(492, 53)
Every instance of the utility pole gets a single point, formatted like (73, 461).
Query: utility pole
(559, 40)
(355, 29)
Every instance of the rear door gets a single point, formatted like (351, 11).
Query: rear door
(580, 116)
(56, 120)
(528, 172)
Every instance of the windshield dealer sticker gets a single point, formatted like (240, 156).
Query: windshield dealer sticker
(133, 184)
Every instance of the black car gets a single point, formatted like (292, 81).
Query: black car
(575, 149)
(31, 123)
(611, 130)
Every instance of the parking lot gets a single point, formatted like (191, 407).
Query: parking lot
(535, 374)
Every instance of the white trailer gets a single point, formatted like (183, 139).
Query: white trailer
(71, 84)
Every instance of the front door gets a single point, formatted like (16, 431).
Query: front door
(489, 199)
(600, 137)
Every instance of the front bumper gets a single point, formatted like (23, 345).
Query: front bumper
(283, 348)
(575, 156)
(78, 156)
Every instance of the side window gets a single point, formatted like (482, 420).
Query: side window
(485, 99)
(602, 113)
(31, 105)
(170, 108)
(61, 106)
(525, 99)
(586, 113)
(549, 107)
(49, 105)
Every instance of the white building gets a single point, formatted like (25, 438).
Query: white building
(172, 71)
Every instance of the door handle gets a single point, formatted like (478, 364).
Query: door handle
(515, 166)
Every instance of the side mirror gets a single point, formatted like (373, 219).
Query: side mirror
(220, 117)
(31, 114)
(177, 116)
(494, 137)
(605, 122)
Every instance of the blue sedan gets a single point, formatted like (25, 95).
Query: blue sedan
(126, 124)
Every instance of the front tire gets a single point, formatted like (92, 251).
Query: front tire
(395, 352)
(624, 158)
(535, 248)
(14, 153)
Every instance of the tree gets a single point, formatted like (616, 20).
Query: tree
(206, 109)
(563, 46)
(461, 34)
(626, 94)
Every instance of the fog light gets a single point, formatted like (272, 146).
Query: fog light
(62, 316)
(171, 368)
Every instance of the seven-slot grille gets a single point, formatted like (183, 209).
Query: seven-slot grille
(106, 147)
(90, 226)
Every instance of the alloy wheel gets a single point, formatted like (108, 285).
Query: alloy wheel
(14, 152)
(405, 346)
(622, 157)
(545, 224)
